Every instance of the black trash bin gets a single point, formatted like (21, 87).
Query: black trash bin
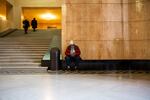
(54, 59)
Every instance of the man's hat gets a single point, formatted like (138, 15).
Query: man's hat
(71, 42)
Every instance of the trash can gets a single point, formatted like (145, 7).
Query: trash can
(54, 58)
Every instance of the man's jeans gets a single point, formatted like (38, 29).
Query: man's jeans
(72, 61)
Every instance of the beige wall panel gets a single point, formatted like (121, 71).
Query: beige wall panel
(111, 1)
(84, 12)
(127, 50)
(126, 35)
(148, 30)
(137, 50)
(147, 7)
(100, 49)
(134, 1)
(39, 3)
(136, 12)
(148, 49)
(138, 30)
(111, 12)
(111, 50)
(112, 31)
(84, 30)
(74, 31)
(89, 49)
(125, 9)
(82, 1)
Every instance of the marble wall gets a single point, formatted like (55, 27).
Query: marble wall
(5, 15)
(107, 29)
(3, 21)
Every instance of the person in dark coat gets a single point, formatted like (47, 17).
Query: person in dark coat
(26, 25)
(72, 57)
(34, 24)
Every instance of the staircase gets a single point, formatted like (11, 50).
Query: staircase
(23, 52)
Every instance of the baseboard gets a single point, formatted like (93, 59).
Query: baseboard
(107, 64)
(7, 32)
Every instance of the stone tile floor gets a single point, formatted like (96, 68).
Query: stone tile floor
(82, 85)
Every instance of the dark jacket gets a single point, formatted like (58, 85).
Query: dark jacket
(26, 24)
(34, 23)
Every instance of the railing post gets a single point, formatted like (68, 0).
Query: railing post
(54, 59)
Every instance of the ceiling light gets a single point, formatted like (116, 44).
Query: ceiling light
(3, 17)
(48, 16)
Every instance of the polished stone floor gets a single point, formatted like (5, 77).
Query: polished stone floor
(75, 86)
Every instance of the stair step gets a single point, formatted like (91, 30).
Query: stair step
(19, 64)
(20, 54)
(10, 47)
(21, 42)
(25, 49)
(19, 51)
(22, 45)
(23, 70)
(21, 57)
(19, 60)
(28, 40)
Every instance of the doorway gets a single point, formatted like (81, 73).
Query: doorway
(47, 17)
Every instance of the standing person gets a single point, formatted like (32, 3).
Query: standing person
(26, 25)
(72, 56)
(34, 24)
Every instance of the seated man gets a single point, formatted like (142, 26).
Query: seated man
(72, 56)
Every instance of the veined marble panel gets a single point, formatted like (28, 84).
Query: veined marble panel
(136, 12)
(134, 1)
(137, 49)
(111, 49)
(112, 31)
(138, 30)
(101, 49)
(84, 30)
(82, 1)
(111, 12)
(111, 1)
(114, 49)
(89, 49)
(83, 12)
